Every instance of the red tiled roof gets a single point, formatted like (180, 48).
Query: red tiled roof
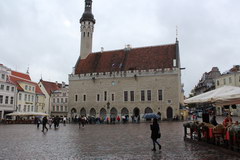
(51, 86)
(21, 75)
(17, 80)
(235, 68)
(154, 57)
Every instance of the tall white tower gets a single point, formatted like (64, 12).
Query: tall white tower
(87, 26)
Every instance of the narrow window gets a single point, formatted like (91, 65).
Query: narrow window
(20, 96)
(132, 95)
(88, 34)
(7, 88)
(53, 108)
(125, 96)
(2, 86)
(84, 97)
(3, 76)
(98, 97)
(19, 107)
(105, 95)
(224, 81)
(149, 95)
(11, 101)
(160, 96)
(83, 34)
(76, 98)
(6, 100)
(142, 95)
(12, 89)
(217, 82)
(25, 97)
(112, 97)
(66, 108)
(230, 79)
(1, 99)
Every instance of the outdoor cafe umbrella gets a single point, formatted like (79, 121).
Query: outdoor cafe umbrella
(151, 115)
(27, 114)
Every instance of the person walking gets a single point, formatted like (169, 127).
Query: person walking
(64, 120)
(155, 134)
(38, 122)
(50, 121)
(44, 123)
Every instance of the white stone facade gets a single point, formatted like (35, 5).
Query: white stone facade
(87, 28)
(87, 93)
(7, 93)
(230, 79)
(59, 102)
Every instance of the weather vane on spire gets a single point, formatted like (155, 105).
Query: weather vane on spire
(28, 69)
(176, 33)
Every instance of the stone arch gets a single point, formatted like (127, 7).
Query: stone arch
(92, 112)
(136, 111)
(113, 112)
(124, 111)
(83, 112)
(103, 113)
(148, 110)
(169, 113)
(73, 110)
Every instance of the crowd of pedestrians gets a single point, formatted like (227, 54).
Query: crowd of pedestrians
(82, 120)
(51, 120)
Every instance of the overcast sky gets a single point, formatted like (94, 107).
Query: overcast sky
(45, 34)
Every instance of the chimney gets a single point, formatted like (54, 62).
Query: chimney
(63, 84)
(127, 47)
(102, 49)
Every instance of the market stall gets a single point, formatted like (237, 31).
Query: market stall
(224, 135)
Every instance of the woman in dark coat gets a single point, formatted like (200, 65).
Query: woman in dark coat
(155, 134)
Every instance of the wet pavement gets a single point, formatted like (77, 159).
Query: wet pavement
(120, 141)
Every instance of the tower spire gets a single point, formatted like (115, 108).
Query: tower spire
(87, 22)
(87, 15)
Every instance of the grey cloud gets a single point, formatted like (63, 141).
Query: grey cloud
(34, 33)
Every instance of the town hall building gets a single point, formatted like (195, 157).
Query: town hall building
(130, 81)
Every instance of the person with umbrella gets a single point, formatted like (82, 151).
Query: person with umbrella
(155, 134)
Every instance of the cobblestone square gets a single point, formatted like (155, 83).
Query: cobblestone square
(119, 141)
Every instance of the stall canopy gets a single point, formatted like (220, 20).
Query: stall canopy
(27, 114)
(225, 95)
